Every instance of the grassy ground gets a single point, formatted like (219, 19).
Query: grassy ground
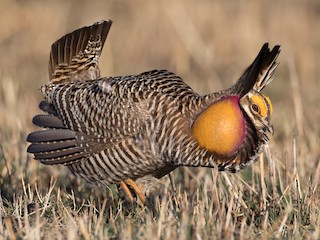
(209, 44)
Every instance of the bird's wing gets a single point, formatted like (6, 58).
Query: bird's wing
(94, 119)
(84, 118)
(105, 119)
(75, 56)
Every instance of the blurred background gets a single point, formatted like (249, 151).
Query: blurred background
(208, 43)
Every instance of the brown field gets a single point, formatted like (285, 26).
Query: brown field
(207, 43)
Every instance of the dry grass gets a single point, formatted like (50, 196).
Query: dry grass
(208, 43)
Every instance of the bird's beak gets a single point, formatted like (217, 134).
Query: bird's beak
(270, 129)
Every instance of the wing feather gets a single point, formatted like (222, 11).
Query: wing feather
(75, 56)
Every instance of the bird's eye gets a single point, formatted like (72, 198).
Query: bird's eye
(255, 108)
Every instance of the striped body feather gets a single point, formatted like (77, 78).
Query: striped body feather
(114, 128)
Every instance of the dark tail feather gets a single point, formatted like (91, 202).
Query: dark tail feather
(75, 56)
(56, 146)
(59, 145)
(260, 71)
(45, 106)
(51, 135)
(55, 154)
(50, 146)
(47, 121)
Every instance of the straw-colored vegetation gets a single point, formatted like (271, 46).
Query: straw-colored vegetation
(207, 43)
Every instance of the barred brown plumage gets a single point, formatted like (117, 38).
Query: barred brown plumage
(114, 129)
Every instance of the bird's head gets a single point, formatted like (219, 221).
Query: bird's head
(258, 108)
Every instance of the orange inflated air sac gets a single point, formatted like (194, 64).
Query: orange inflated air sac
(221, 127)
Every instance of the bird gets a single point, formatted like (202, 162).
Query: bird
(119, 129)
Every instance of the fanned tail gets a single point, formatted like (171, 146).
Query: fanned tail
(75, 56)
(259, 73)
(57, 144)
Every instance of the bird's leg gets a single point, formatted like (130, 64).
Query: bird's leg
(171, 183)
(126, 190)
(129, 182)
(137, 190)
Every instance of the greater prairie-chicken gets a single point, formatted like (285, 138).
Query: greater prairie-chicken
(118, 129)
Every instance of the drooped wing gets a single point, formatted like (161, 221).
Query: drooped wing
(106, 121)
(87, 118)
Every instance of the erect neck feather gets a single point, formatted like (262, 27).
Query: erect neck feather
(221, 128)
